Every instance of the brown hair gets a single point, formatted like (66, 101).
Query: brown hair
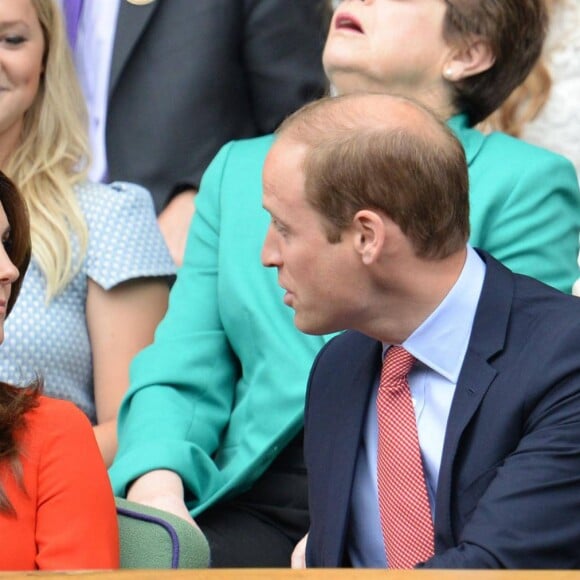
(515, 31)
(18, 248)
(14, 402)
(415, 174)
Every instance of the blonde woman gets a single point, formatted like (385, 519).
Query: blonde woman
(96, 287)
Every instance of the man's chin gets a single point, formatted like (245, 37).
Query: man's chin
(311, 326)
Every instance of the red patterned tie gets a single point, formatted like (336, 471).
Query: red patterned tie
(404, 504)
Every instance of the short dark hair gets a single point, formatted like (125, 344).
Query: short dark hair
(416, 176)
(19, 247)
(515, 31)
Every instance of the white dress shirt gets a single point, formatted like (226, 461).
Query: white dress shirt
(93, 54)
(439, 345)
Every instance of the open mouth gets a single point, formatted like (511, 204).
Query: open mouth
(348, 22)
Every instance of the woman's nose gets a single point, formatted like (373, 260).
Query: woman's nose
(8, 271)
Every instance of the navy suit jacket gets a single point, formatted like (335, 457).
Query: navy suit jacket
(509, 485)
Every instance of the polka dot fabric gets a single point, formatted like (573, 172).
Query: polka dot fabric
(51, 340)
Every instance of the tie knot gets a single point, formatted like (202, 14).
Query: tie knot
(397, 364)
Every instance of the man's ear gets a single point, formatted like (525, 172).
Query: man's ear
(369, 235)
(468, 59)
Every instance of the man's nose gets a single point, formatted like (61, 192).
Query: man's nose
(270, 253)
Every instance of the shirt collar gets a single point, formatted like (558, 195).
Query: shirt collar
(441, 341)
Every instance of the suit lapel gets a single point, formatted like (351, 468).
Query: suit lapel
(131, 23)
(477, 374)
(351, 405)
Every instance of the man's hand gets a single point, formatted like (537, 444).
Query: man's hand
(298, 559)
(174, 223)
(161, 489)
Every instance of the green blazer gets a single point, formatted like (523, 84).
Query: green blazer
(221, 390)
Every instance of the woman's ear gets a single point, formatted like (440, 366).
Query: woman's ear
(468, 60)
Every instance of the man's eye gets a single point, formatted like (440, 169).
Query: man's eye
(282, 230)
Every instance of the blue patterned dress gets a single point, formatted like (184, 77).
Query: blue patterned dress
(51, 340)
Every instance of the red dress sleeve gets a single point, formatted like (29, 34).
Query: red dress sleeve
(76, 521)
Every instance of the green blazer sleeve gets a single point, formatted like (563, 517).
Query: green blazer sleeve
(524, 205)
(221, 390)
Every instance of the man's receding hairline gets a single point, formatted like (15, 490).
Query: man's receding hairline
(334, 117)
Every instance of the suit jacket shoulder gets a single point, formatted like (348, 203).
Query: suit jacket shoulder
(513, 411)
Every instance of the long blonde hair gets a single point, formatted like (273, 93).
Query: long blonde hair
(52, 156)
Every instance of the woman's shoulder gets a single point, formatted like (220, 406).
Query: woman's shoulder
(502, 150)
(501, 143)
(110, 198)
(236, 169)
(124, 238)
(512, 155)
(53, 422)
(245, 152)
(56, 415)
(251, 146)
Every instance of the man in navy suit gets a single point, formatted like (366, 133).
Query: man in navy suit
(368, 196)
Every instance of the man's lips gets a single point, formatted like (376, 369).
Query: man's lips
(287, 294)
(288, 299)
(344, 21)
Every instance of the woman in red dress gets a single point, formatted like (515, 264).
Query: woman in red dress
(57, 509)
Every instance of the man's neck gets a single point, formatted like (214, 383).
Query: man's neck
(422, 286)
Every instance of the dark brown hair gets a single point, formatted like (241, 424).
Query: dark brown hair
(14, 401)
(18, 247)
(515, 31)
(414, 173)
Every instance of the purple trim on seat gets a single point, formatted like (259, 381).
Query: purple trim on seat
(160, 522)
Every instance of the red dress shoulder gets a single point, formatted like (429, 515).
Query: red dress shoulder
(65, 511)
